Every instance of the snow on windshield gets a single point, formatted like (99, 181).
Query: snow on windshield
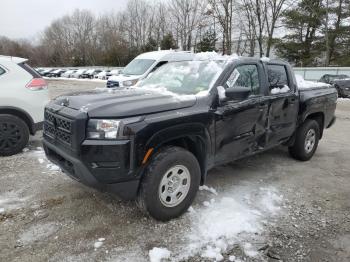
(189, 77)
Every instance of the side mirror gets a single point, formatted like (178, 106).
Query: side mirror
(237, 92)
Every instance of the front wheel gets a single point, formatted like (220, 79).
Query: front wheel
(306, 141)
(170, 183)
(14, 135)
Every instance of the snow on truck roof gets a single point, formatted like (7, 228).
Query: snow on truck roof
(14, 59)
(165, 55)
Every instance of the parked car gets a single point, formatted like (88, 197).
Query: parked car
(46, 71)
(103, 75)
(56, 73)
(156, 142)
(91, 73)
(340, 82)
(69, 73)
(144, 64)
(23, 97)
(78, 73)
(116, 72)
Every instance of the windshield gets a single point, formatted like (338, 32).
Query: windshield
(188, 77)
(138, 66)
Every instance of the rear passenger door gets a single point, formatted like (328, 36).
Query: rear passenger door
(283, 104)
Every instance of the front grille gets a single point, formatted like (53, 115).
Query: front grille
(58, 128)
(111, 84)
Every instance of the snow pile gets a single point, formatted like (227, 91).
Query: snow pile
(277, 90)
(238, 217)
(157, 254)
(213, 253)
(210, 189)
(99, 243)
(265, 59)
(53, 167)
(11, 200)
(303, 84)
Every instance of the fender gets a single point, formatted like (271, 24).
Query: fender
(196, 132)
(21, 114)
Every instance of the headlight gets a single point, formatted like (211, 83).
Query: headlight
(130, 82)
(107, 128)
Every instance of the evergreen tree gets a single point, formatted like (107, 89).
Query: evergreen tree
(303, 44)
(150, 46)
(208, 42)
(168, 42)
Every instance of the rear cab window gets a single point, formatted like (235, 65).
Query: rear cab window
(278, 79)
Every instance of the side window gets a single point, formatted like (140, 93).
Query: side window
(278, 79)
(245, 76)
(2, 71)
(158, 65)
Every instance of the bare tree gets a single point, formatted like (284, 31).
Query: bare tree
(186, 14)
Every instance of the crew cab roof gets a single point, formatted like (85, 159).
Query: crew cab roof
(14, 59)
(167, 55)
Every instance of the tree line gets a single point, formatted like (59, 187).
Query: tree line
(303, 32)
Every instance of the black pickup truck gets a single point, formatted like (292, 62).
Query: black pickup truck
(340, 82)
(156, 142)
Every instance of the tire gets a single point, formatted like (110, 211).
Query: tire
(166, 165)
(302, 149)
(339, 91)
(14, 135)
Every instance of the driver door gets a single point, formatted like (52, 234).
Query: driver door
(240, 125)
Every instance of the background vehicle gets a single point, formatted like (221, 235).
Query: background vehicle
(23, 97)
(78, 73)
(91, 73)
(103, 75)
(69, 73)
(156, 142)
(144, 64)
(56, 73)
(46, 72)
(340, 82)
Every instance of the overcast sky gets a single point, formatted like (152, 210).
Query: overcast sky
(26, 18)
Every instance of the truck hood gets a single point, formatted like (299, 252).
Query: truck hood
(122, 77)
(113, 103)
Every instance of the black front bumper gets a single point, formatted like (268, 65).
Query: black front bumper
(104, 165)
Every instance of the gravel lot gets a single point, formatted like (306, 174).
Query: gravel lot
(262, 208)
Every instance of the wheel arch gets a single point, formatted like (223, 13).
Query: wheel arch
(319, 118)
(192, 137)
(20, 113)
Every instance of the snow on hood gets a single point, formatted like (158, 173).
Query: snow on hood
(122, 77)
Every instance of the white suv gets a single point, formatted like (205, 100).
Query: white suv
(23, 95)
(144, 64)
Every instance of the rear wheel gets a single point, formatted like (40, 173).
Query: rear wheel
(306, 141)
(170, 184)
(14, 135)
(339, 91)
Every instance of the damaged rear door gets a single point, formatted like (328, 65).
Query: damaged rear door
(283, 100)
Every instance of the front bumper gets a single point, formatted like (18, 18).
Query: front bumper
(104, 165)
(345, 92)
